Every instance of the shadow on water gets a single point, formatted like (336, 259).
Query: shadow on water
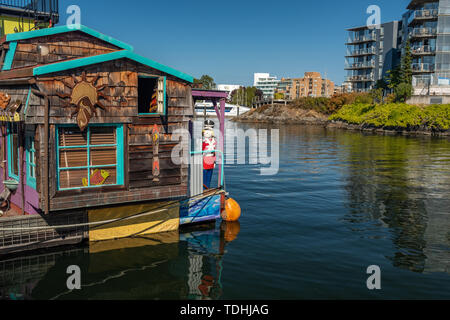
(174, 265)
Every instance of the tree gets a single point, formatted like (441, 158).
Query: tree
(245, 96)
(406, 64)
(206, 82)
(394, 77)
(403, 92)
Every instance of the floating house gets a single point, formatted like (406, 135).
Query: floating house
(87, 137)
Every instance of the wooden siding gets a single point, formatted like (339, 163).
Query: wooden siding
(121, 79)
(61, 47)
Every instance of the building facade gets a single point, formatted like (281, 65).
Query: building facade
(371, 53)
(228, 88)
(427, 25)
(266, 83)
(311, 85)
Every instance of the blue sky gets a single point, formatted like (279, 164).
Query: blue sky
(231, 40)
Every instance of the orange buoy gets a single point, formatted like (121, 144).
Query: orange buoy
(232, 211)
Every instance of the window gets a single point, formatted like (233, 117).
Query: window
(13, 151)
(151, 95)
(89, 159)
(30, 160)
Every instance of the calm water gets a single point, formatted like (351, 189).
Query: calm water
(341, 202)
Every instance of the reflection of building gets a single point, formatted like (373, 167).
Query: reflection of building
(266, 83)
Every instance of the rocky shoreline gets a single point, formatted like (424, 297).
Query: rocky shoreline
(281, 114)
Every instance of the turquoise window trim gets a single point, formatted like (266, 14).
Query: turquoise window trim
(119, 165)
(82, 62)
(165, 102)
(10, 144)
(9, 58)
(31, 158)
(64, 29)
(27, 102)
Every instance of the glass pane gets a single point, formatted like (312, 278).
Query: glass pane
(72, 178)
(103, 135)
(101, 156)
(103, 176)
(72, 137)
(69, 158)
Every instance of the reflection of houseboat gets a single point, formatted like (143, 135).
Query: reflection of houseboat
(87, 134)
(207, 108)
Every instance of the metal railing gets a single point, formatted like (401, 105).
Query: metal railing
(423, 32)
(371, 37)
(360, 65)
(425, 14)
(361, 52)
(368, 77)
(41, 6)
(423, 67)
(423, 49)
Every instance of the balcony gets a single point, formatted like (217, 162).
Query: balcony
(423, 50)
(423, 32)
(423, 15)
(362, 52)
(360, 78)
(361, 39)
(360, 65)
(423, 67)
(37, 9)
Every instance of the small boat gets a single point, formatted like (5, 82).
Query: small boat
(230, 109)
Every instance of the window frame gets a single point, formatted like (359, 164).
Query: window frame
(10, 152)
(120, 173)
(30, 158)
(164, 92)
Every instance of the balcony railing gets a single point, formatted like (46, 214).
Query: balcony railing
(40, 6)
(357, 78)
(423, 67)
(423, 50)
(425, 14)
(358, 39)
(360, 65)
(361, 52)
(423, 32)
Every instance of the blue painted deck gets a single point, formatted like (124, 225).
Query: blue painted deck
(194, 211)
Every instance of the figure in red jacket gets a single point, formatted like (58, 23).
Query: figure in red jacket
(209, 158)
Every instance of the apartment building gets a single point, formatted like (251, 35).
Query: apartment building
(371, 53)
(266, 83)
(311, 85)
(427, 25)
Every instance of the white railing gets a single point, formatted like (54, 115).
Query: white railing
(360, 65)
(361, 78)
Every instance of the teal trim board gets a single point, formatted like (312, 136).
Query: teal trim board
(64, 29)
(82, 62)
(30, 160)
(9, 58)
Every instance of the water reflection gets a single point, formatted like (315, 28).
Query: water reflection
(402, 183)
(175, 265)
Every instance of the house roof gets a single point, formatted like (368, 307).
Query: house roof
(76, 63)
(127, 53)
(64, 29)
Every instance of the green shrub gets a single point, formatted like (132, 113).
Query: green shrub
(395, 115)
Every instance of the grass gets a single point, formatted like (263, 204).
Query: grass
(395, 115)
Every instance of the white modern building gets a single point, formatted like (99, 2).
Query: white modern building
(266, 83)
(228, 87)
